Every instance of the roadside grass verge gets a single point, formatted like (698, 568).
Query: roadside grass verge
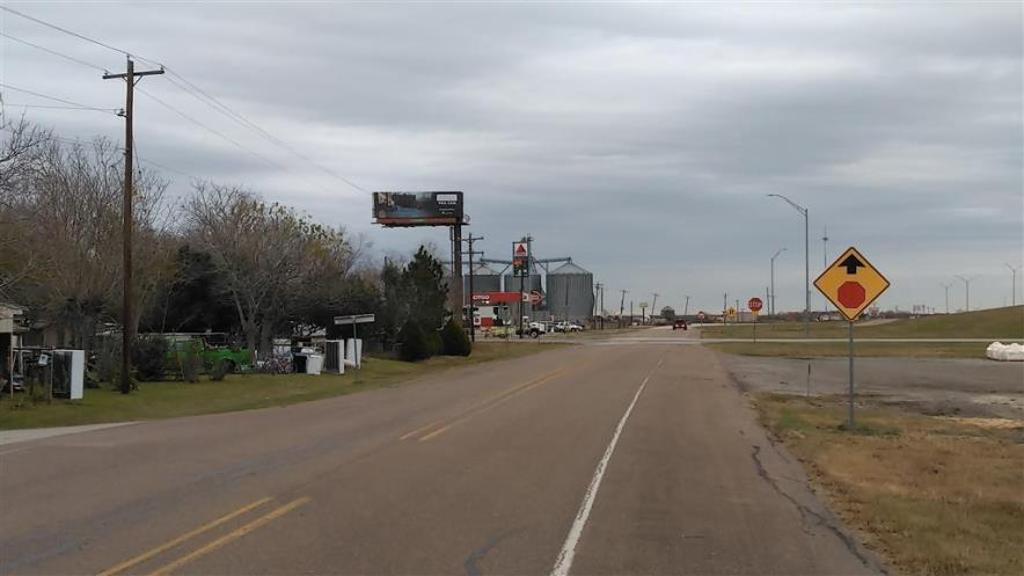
(860, 349)
(997, 323)
(932, 494)
(155, 400)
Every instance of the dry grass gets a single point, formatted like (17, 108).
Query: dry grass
(934, 495)
(996, 323)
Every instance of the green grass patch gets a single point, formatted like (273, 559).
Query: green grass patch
(156, 400)
(932, 494)
(861, 349)
(997, 323)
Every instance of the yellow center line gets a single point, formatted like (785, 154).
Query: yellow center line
(496, 398)
(501, 400)
(184, 537)
(230, 536)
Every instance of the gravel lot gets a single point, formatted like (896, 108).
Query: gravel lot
(961, 387)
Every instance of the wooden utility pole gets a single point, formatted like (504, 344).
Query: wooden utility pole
(127, 327)
(622, 306)
(472, 302)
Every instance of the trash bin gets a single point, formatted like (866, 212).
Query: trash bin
(314, 363)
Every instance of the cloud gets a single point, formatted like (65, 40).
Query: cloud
(641, 140)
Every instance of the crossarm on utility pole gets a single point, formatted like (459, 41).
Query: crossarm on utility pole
(127, 213)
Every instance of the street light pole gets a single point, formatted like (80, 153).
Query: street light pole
(967, 291)
(1013, 297)
(946, 287)
(771, 303)
(807, 261)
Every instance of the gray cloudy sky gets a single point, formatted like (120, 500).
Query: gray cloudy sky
(639, 139)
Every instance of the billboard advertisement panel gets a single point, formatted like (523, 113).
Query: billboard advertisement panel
(417, 208)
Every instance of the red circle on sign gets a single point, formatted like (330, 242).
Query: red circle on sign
(755, 304)
(851, 294)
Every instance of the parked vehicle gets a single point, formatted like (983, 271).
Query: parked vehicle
(533, 330)
(566, 326)
(212, 354)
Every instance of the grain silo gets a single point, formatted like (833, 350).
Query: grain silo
(485, 279)
(570, 293)
(529, 284)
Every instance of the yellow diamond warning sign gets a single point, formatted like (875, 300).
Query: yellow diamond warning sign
(851, 283)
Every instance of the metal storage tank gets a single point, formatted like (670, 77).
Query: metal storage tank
(485, 279)
(570, 293)
(530, 284)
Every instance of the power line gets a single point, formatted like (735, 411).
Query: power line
(68, 32)
(188, 87)
(219, 106)
(55, 107)
(55, 99)
(53, 52)
(217, 133)
(210, 130)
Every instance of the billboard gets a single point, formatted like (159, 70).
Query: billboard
(417, 208)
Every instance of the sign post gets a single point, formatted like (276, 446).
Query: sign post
(521, 268)
(851, 283)
(755, 304)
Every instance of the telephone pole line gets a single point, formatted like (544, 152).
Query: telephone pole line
(472, 302)
(622, 307)
(127, 220)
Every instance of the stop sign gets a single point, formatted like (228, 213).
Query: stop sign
(755, 304)
(851, 294)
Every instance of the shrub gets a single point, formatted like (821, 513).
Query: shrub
(220, 370)
(148, 356)
(108, 360)
(190, 364)
(454, 340)
(414, 342)
(435, 345)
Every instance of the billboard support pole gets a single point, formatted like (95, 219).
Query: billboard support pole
(456, 294)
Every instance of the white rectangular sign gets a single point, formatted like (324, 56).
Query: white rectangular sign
(354, 319)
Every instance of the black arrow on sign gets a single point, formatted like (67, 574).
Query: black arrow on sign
(851, 263)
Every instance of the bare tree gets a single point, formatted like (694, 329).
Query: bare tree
(268, 254)
(71, 234)
(21, 147)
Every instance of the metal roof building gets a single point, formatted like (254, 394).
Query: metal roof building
(570, 293)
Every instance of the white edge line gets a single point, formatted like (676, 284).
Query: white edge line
(565, 557)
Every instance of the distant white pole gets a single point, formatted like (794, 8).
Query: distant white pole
(807, 261)
(967, 291)
(1013, 297)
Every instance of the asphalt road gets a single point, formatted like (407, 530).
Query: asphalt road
(624, 459)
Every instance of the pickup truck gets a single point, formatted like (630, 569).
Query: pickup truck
(566, 326)
(533, 329)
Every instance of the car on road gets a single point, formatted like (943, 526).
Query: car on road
(679, 324)
(566, 326)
